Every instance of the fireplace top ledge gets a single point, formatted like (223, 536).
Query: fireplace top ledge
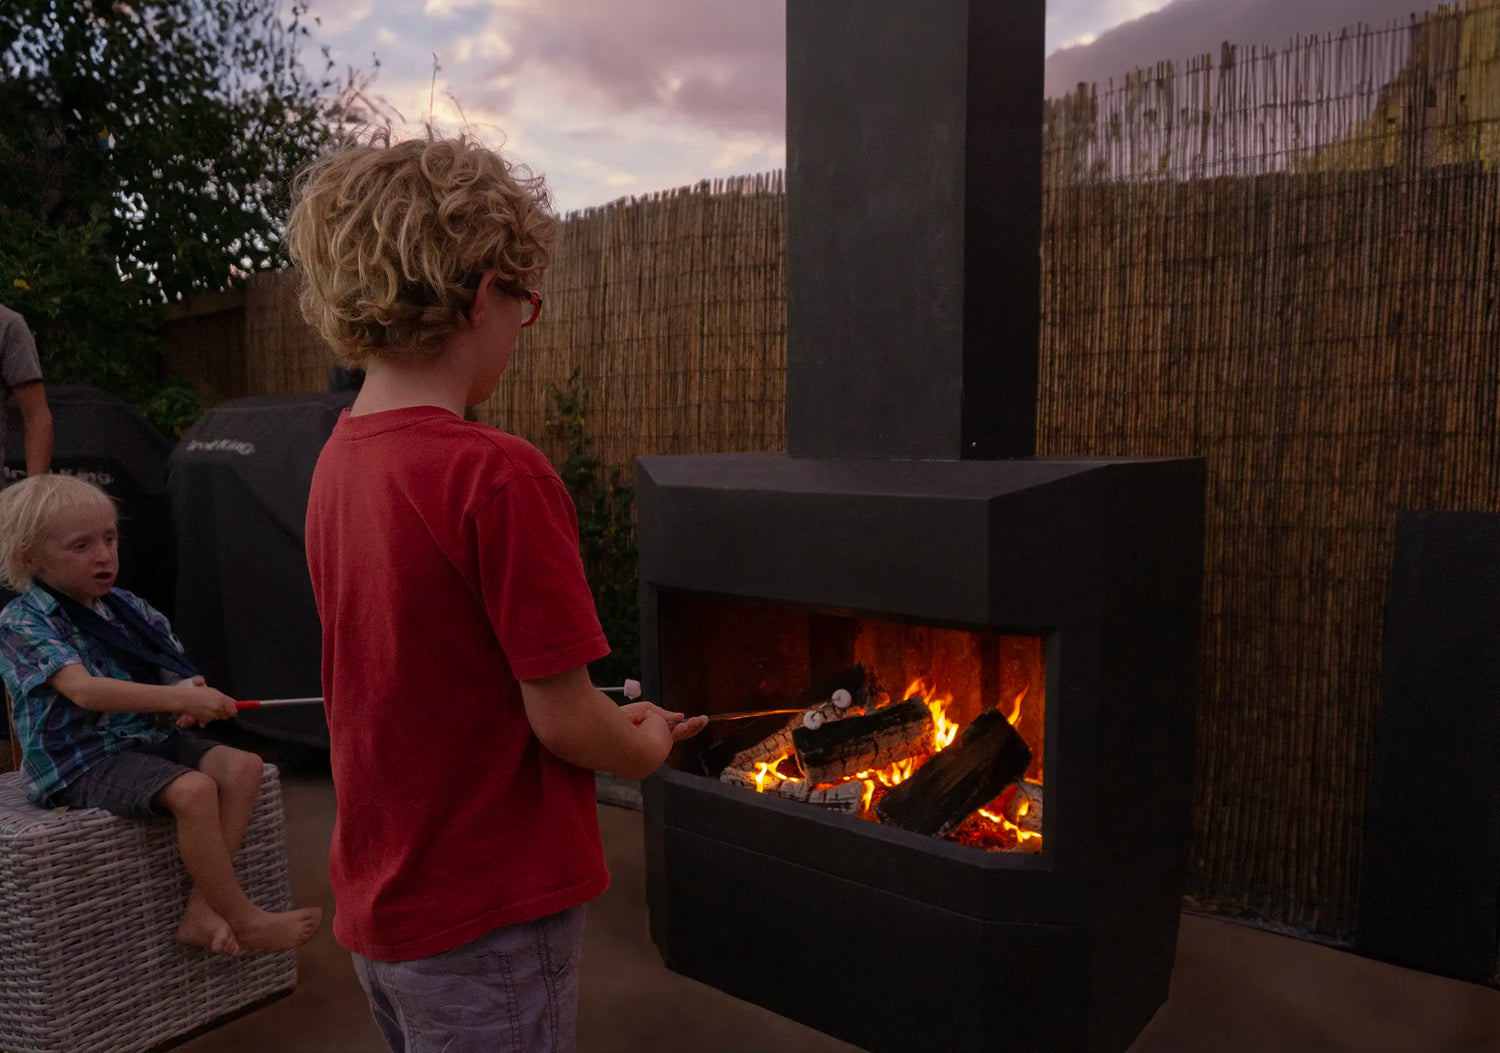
(778, 472)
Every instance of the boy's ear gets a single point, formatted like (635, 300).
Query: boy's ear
(483, 302)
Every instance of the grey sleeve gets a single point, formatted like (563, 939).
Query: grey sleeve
(18, 359)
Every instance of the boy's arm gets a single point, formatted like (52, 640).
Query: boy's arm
(107, 695)
(584, 726)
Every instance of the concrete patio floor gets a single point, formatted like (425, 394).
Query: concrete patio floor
(1235, 989)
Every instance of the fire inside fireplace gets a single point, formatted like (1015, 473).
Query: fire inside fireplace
(954, 717)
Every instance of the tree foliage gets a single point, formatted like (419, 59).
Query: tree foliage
(146, 152)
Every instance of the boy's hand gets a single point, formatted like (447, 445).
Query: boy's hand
(682, 728)
(200, 704)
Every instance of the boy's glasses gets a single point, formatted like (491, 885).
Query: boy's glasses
(534, 299)
(528, 296)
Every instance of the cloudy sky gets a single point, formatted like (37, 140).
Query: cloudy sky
(610, 98)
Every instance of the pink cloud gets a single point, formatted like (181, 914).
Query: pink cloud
(720, 63)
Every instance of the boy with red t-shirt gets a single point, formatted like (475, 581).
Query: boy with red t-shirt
(457, 623)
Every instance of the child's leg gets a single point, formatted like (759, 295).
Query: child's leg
(237, 775)
(193, 800)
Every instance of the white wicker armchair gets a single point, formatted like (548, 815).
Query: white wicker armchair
(89, 905)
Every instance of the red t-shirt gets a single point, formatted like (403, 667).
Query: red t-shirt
(444, 560)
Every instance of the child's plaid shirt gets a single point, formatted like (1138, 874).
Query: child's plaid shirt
(60, 739)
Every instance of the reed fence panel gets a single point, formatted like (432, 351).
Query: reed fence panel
(673, 309)
(1286, 262)
(1327, 342)
(284, 355)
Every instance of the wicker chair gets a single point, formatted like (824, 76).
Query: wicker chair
(89, 904)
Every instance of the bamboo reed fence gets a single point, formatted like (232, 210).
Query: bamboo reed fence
(1286, 262)
(673, 308)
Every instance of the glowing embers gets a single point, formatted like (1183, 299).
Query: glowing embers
(905, 763)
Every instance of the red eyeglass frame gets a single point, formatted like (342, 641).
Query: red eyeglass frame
(535, 299)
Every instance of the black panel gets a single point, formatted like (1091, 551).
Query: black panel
(1003, 228)
(1002, 887)
(239, 482)
(1430, 871)
(915, 538)
(914, 227)
(805, 945)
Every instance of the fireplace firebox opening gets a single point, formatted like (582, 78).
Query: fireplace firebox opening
(917, 706)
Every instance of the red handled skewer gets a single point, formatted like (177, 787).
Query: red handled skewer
(267, 703)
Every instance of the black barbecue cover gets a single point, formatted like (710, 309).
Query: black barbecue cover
(239, 481)
(105, 440)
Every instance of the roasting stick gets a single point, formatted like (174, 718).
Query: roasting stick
(746, 714)
(269, 703)
(630, 689)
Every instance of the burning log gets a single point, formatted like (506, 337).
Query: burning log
(847, 797)
(882, 737)
(780, 744)
(987, 757)
(835, 698)
(1024, 807)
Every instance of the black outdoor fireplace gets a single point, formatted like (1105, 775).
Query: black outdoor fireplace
(978, 841)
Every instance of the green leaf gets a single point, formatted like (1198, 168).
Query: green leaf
(191, 192)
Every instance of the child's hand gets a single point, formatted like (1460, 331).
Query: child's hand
(686, 729)
(682, 728)
(199, 704)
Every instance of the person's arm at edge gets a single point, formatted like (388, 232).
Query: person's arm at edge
(583, 726)
(105, 694)
(36, 421)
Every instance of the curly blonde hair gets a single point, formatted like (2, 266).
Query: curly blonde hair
(387, 233)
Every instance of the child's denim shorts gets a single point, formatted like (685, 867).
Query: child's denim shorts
(514, 990)
(125, 783)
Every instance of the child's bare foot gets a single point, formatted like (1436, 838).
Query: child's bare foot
(265, 931)
(201, 927)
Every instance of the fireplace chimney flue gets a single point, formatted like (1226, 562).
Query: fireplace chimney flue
(914, 137)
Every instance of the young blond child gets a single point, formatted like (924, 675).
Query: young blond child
(101, 692)
(457, 624)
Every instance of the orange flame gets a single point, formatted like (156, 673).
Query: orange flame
(1015, 707)
(1022, 836)
(937, 704)
(771, 770)
(769, 773)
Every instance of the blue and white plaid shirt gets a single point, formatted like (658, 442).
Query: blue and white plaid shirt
(60, 739)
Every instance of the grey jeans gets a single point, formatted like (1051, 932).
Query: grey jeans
(514, 990)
